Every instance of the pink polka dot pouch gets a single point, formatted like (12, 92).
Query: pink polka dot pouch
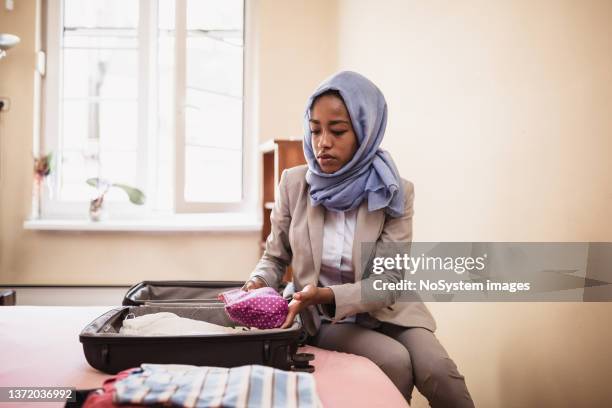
(263, 308)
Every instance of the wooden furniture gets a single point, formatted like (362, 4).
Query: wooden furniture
(8, 297)
(277, 155)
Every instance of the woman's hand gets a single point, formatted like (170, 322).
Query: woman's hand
(310, 295)
(253, 283)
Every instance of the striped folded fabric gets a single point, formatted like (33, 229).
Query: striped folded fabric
(191, 386)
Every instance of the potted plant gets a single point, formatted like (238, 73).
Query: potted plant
(135, 196)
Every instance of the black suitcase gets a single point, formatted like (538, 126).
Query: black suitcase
(109, 351)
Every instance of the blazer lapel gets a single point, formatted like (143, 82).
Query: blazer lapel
(315, 217)
(367, 229)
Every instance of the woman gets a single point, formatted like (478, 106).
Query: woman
(350, 192)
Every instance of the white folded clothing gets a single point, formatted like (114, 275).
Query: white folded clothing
(169, 324)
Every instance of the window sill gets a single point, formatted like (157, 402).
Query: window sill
(224, 222)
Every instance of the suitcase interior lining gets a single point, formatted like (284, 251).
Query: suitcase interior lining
(165, 293)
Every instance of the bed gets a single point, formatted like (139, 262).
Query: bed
(39, 346)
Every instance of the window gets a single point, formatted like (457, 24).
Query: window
(147, 93)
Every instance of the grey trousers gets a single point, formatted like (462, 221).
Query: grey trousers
(408, 356)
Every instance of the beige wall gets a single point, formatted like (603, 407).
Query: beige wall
(499, 112)
(286, 65)
(529, 354)
(298, 50)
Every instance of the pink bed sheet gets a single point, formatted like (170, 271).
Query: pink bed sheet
(39, 346)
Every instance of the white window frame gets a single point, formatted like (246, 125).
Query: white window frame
(147, 99)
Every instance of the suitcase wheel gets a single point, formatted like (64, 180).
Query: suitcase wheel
(303, 358)
(307, 369)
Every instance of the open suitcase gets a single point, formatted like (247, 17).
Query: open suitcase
(109, 351)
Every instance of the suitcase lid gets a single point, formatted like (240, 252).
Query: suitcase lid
(177, 291)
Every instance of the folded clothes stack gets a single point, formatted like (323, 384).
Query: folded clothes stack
(169, 324)
(191, 386)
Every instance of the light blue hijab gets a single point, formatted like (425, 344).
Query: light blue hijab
(371, 172)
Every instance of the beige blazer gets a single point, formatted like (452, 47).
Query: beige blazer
(296, 239)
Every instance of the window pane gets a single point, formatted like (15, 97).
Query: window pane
(214, 14)
(214, 65)
(119, 167)
(76, 169)
(101, 13)
(100, 73)
(213, 120)
(99, 127)
(118, 126)
(75, 125)
(112, 125)
(213, 114)
(99, 94)
(101, 38)
(167, 14)
(165, 86)
(213, 175)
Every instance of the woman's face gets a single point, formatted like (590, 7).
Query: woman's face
(333, 138)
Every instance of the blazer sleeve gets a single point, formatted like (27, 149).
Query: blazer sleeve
(277, 254)
(348, 296)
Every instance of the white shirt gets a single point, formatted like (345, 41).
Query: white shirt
(337, 256)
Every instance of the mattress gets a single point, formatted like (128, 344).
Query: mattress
(39, 346)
